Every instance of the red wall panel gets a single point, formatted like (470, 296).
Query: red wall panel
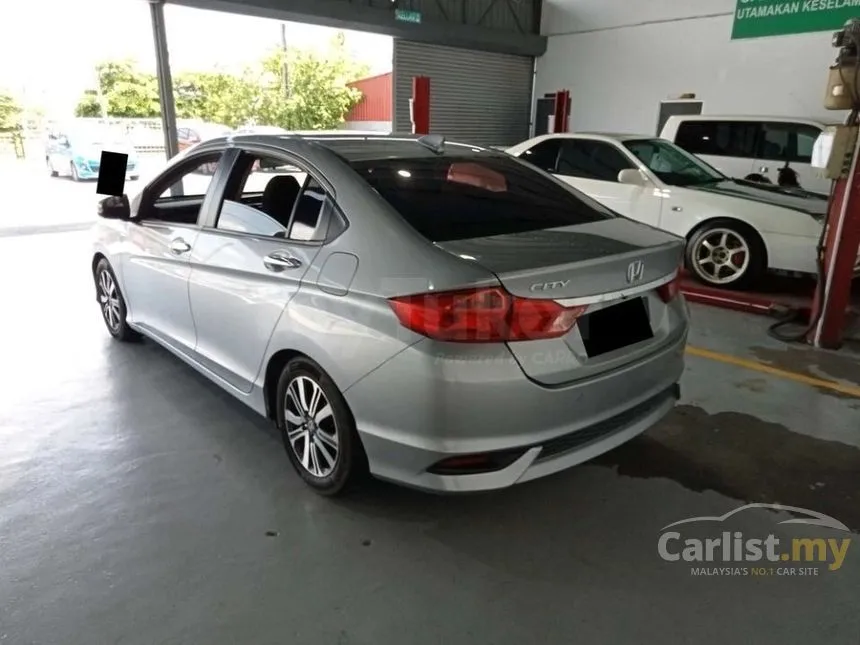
(375, 104)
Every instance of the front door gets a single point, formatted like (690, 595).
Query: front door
(156, 267)
(248, 263)
(592, 166)
(784, 154)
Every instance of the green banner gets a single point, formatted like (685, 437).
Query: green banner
(756, 18)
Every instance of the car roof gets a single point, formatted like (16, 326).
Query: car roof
(615, 136)
(356, 148)
(748, 117)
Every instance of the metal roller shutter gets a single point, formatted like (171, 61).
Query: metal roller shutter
(475, 96)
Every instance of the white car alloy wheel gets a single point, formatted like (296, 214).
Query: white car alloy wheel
(311, 428)
(109, 301)
(721, 256)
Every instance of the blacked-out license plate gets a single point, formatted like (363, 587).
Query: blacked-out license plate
(614, 327)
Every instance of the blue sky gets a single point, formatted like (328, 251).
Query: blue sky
(50, 53)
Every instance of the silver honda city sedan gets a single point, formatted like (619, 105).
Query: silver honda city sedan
(434, 313)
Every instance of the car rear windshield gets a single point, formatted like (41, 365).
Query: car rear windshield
(453, 198)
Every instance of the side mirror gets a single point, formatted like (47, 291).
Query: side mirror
(115, 207)
(632, 177)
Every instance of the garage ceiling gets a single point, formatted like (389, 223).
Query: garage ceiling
(509, 26)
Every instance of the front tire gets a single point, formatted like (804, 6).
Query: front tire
(73, 171)
(112, 303)
(726, 254)
(53, 172)
(318, 429)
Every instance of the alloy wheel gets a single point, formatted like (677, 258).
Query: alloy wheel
(311, 426)
(721, 256)
(109, 301)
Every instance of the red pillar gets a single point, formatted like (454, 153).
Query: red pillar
(420, 105)
(842, 245)
(562, 117)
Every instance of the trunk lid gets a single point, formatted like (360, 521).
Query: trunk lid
(613, 267)
(575, 261)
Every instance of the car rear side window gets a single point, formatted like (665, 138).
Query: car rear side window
(589, 159)
(544, 155)
(452, 198)
(719, 138)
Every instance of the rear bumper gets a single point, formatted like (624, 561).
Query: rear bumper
(427, 404)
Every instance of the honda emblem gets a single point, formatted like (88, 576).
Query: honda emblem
(635, 271)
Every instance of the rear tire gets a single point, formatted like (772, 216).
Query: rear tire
(726, 254)
(112, 303)
(73, 171)
(53, 172)
(318, 429)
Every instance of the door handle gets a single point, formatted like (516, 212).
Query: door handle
(763, 169)
(279, 261)
(179, 246)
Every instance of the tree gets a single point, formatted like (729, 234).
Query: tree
(216, 97)
(127, 92)
(10, 112)
(318, 97)
(89, 105)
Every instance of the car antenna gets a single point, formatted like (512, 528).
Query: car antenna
(435, 142)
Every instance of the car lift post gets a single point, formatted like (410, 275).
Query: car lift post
(842, 244)
(842, 233)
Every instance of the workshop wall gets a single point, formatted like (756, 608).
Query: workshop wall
(619, 59)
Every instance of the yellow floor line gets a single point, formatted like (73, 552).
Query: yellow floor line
(850, 390)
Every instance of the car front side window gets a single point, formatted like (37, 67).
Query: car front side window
(178, 196)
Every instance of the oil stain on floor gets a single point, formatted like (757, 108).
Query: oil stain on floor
(745, 458)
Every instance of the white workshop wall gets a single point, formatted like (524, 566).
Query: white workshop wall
(620, 58)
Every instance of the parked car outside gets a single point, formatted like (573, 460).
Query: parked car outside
(770, 149)
(736, 230)
(190, 133)
(76, 151)
(438, 314)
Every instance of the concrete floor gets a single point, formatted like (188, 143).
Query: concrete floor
(141, 505)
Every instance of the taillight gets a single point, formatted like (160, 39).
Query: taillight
(670, 290)
(489, 315)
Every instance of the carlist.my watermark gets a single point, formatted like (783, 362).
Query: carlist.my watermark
(735, 553)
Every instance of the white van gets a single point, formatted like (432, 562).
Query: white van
(752, 147)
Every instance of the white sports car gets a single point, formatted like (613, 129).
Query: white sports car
(735, 230)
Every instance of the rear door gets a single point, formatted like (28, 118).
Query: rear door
(593, 166)
(728, 146)
(159, 244)
(249, 260)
